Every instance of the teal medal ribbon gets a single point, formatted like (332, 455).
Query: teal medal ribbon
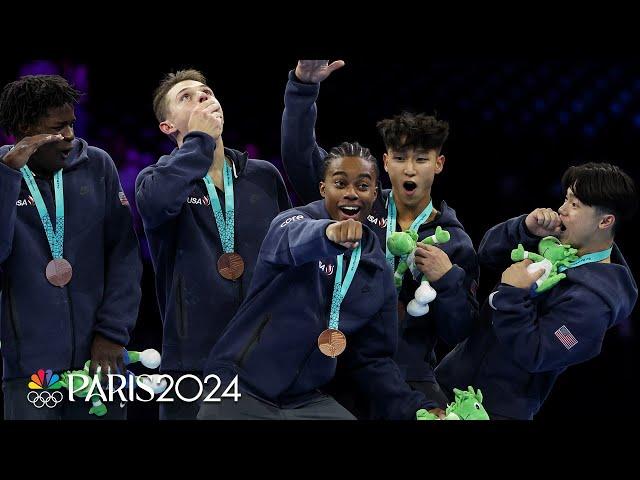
(332, 341)
(225, 227)
(59, 270)
(391, 224)
(588, 258)
(230, 264)
(341, 287)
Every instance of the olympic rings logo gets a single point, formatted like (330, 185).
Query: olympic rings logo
(40, 399)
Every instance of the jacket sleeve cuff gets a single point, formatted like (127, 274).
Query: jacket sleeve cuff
(303, 87)
(6, 170)
(506, 297)
(427, 405)
(525, 236)
(449, 280)
(205, 143)
(118, 337)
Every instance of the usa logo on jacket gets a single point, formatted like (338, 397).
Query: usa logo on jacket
(379, 222)
(28, 201)
(326, 268)
(199, 201)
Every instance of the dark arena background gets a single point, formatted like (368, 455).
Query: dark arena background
(516, 124)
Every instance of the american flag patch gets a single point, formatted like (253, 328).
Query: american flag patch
(566, 337)
(123, 199)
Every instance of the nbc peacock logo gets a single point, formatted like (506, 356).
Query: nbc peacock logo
(39, 385)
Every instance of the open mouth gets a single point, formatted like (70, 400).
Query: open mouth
(409, 186)
(563, 227)
(350, 210)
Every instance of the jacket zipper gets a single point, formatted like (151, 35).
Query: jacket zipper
(14, 323)
(254, 339)
(301, 367)
(240, 292)
(182, 325)
(73, 328)
(303, 364)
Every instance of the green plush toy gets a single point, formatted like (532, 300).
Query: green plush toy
(552, 254)
(467, 405)
(74, 379)
(82, 381)
(403, 245)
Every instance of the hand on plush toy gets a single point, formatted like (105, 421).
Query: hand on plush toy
(433, 262)
(438, 412)
(107, 355)
(433, 414)
(467, 405)
(518, 276)
(543, 222)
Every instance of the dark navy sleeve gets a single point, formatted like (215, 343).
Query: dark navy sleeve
(495, 249)
(10, 181)
(118, 312)
(294, 239)
(301, 155)
(284, 201)
(571, 333)
(368, 359)
(162, 189)
(455, 308)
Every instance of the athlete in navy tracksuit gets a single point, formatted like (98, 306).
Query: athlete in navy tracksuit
(45, 326)
(195, 301)
(525, 340)
(413, 158)
(272, 342)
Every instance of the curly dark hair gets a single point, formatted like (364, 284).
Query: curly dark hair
(24, 102)
(409, 130)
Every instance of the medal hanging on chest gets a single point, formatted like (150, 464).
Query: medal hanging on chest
(332, 342)
(58, 270)
(230, 264)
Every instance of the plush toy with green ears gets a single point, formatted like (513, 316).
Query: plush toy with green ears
(467, 405)
(403, 245)
(552, 254)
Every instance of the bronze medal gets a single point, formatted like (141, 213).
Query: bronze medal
(231, 266)
(59, 272)
(332, 342)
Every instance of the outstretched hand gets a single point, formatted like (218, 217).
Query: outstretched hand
(315, 71)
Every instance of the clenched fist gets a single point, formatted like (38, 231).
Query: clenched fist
(347, 233)
(543, 222)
